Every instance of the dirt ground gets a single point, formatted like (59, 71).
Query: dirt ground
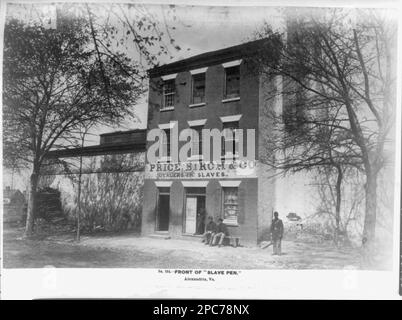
(133, 251)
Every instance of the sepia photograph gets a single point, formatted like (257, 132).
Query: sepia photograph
(177, 136)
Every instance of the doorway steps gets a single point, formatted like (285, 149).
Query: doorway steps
(160, 235)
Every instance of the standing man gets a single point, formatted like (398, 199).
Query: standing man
(221, 232)
(277, 234)
(210, 231)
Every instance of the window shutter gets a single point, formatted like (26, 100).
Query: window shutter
(241, 214)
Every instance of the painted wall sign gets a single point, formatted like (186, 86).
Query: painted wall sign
(201, 170)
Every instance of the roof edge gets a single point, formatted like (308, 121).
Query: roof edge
(207, 58)
(101, 149)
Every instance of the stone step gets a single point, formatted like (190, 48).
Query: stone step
(164, 236)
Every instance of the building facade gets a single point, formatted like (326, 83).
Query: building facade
(216, 90)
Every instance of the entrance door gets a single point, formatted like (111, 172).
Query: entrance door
(195, 214)
(162, 223)
(191, 215)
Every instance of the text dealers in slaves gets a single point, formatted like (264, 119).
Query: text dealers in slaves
(194, 170)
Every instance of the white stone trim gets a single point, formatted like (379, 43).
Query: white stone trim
(161, 184)
(231, 99)
(229, 183)
(194, 105)
(230, 156)
(198, 71)
(232, 63)
(195, 157)
(165, 159)
(233, 118)
(166, 109)
(195, 123)
(192, 183)
(169, 76)
(169, 125)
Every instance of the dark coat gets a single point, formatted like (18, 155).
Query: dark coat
(211, 226)
(277, 228)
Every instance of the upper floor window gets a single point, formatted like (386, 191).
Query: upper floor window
(232, 82)
(230, 143)
(197, 141)
(198, 84)
(169, 90)
(196, 137)
(166, 144)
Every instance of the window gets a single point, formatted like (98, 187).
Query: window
(168, 94)
(198, 85)
(232, 87)
(229, 142)
(197, 141)
(166, 144)
(230, 205)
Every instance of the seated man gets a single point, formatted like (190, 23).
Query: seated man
(210, 230)
(221, 232)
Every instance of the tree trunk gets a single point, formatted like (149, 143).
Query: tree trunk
(79, 186)
(371, 211)
(31, 210)
(338, 204)
(79, 201)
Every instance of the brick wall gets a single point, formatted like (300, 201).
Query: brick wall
(212, 111)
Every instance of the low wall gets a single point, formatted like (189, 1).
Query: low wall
(111, 190)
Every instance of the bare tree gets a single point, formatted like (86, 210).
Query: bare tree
(57, 80)
(83, 134)
(328, 190)
(338, 87)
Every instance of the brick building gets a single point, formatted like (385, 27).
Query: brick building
(222, 90)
